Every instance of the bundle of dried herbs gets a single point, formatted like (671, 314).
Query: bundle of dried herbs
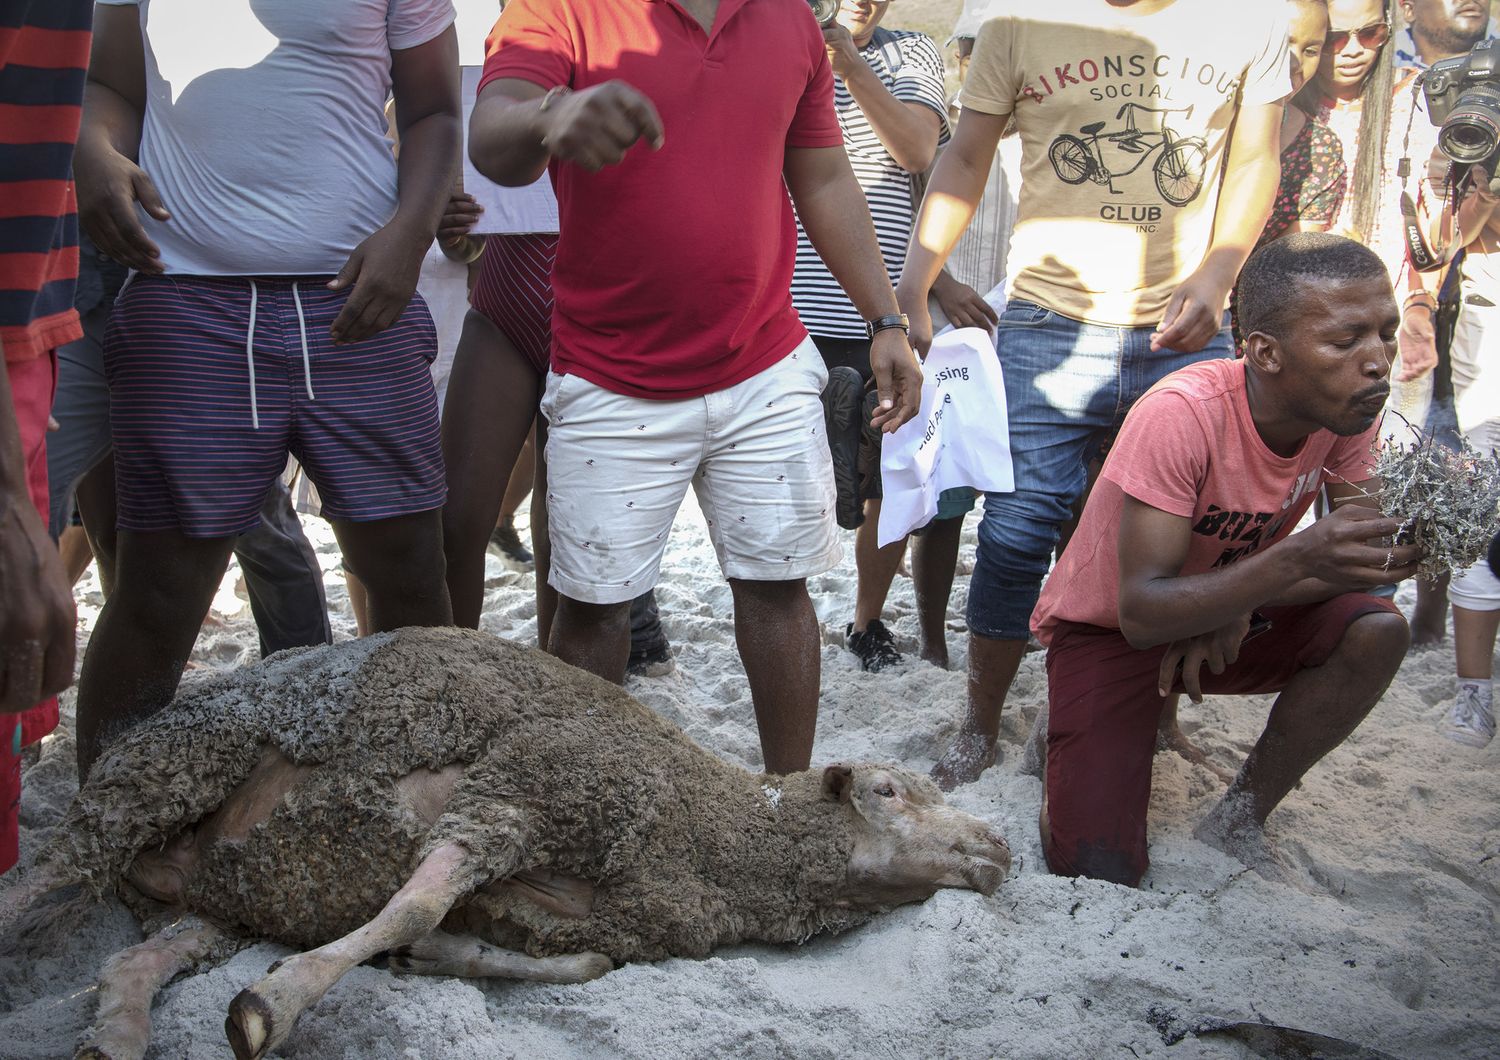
(1449, 500)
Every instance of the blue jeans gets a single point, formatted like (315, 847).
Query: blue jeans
(1068, 385)
(1442, 422)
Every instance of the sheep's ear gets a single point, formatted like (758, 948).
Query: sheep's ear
(838, 782)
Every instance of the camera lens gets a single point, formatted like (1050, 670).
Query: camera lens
(1469, 137)
(825, 11)
(1472, 131)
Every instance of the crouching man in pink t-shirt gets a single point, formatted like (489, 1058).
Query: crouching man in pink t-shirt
(1184, 574)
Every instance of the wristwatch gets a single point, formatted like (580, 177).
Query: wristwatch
(885, 323)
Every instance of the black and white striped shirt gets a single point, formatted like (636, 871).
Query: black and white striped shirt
(909, 65)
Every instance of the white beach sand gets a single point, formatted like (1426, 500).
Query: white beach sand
(1388, 939)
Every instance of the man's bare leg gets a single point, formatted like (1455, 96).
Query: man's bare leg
(1429, 618)
(262, 1016)
(1315, 712)
(992, 668)
(400, 563)
(472, 958)
(776, 630)
(145, 633)
(76, 552)
(359, 603)
(875, 567)
(97, 507)
(491, 404)
(130, 982)
(934, 558)
(522, 478)
(593, 637)
(1474, 635)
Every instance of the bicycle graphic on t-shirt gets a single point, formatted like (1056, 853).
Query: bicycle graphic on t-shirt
(1178, 168)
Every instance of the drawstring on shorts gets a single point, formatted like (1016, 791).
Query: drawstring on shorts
(250, 357)
(250, 350)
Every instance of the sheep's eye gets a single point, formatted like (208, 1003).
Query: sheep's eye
(885, 791)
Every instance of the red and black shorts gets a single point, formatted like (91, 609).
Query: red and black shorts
(514, 292)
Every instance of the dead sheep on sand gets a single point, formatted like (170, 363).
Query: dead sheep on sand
(451, 799)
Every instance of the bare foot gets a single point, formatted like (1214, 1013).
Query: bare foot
(1426, 636)
(1231, 828)
(1429, 619)
(969, 755)
(1170, 737)
(937, 656)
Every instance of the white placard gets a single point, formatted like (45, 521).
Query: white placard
(960, 437)
(506, 210)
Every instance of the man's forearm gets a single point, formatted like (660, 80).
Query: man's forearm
(838, 225)
(1307, 591)
(110, 122)
(908, 133)
(953, 194)
(1162, 610)
(426, 171)
(505, 138)
(1245, 204)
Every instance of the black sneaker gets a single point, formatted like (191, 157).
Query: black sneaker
(505, 541)
(654, 662)
(875, 647)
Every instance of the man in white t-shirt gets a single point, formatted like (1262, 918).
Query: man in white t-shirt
(277, 244)
(1136, 214)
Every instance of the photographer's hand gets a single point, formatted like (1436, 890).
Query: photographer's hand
(843, 54)
(1416, 342)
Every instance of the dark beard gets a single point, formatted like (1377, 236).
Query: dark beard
(1447, 39)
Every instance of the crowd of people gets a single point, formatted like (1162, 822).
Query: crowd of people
(732, 235)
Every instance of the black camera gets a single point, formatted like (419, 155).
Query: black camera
(1463, 97)
(825, 11)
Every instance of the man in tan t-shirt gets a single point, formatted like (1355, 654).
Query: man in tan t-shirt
(1136, 213)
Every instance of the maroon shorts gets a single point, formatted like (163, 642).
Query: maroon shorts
(514, 292)
(31, 386)
(1103, 714)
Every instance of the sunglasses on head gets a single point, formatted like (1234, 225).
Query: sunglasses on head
(1370, 37)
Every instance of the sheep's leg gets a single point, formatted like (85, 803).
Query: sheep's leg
(471, 958)
(129, 983)
(261, 1016)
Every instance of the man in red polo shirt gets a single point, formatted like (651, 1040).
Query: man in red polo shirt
(673, 132)
(44, 47)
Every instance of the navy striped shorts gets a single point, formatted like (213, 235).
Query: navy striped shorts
(202, 428)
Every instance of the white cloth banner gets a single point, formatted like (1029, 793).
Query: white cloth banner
(960, 437)
(506, 210)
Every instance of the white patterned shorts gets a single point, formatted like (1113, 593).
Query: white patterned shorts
(618, 468)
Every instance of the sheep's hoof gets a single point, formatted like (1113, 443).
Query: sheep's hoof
(91, 1052)
(250, 1025)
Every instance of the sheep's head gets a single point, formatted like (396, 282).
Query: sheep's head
(908, 842)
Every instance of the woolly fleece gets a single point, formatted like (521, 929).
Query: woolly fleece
(563, 771)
